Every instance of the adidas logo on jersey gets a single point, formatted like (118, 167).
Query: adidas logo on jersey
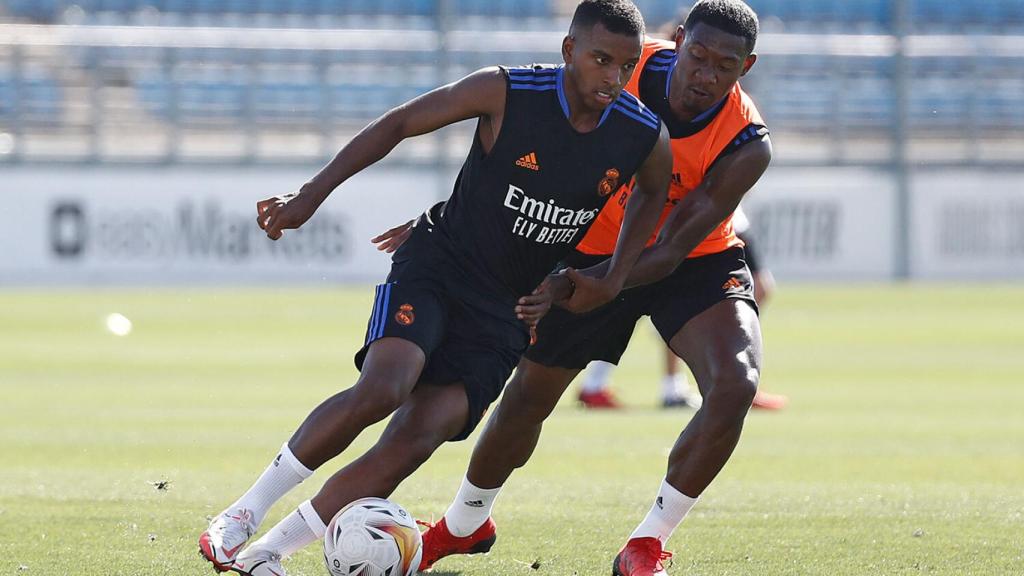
(529, 161)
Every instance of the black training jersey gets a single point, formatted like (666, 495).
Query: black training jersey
(515, 212)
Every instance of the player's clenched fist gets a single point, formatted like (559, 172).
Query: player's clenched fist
(588, 292)
(285, 212)
(555, 288)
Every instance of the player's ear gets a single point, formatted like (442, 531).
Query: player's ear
(678, 37)
(748, 63)
(568, 46)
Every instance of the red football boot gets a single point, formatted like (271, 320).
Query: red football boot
(641, 557)
(600, 399)
(769, 401)
(438, 542)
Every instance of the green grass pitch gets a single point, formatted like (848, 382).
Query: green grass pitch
(902, 451)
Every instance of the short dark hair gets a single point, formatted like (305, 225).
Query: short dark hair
(730, 16)
(617, 16)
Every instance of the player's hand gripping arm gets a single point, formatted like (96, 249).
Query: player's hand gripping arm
(698, 213)
(481, 94)
(642, 211)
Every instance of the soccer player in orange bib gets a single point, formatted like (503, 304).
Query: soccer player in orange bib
(692, 281)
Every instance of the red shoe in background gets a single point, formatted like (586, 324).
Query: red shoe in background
(769, 401)
(600, 399)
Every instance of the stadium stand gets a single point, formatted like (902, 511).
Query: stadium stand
(317, 89)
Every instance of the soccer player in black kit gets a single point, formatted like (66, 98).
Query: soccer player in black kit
(552, 144)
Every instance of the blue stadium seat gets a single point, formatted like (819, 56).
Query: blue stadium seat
(41, 97)
(38, 10)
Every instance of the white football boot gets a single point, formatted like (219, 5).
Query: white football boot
(255, 561)
(226, 536)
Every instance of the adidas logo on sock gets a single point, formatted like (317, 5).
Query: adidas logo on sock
(277, 461)
(660, 503)
(474, 503)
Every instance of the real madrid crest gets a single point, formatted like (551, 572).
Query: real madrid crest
(405, 315)
(609, 183)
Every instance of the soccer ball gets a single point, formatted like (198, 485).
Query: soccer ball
(373, 537)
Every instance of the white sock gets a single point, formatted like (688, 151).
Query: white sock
(675, 386)
(668, 510)
(296, 531)
(597, 376)
(470, 509)
(284, 473)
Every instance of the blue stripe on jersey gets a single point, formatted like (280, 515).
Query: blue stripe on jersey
(535, 87)
(607, 111)
(532, 76)
(383, 311)
(533, 71)
(668, 76)
(531, 80)
(635, 105)
(646, 121)
(751, 132)
(373, 315)
(561, 92)
(714, 108)
(659, 67)
(565, 103)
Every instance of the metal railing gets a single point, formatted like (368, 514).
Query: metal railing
(236, 95)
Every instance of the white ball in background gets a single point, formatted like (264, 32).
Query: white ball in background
(119, 324)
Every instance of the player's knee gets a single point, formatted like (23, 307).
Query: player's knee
(734, 390)
(411, 446)
(376, 399)
(521, 406)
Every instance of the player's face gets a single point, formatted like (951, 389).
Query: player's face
(599, 63)
(710, 62)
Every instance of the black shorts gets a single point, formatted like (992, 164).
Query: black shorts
(433, 306)
(569, 340)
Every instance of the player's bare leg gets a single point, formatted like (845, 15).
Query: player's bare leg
(722, 347)
(430, 416)
(508, 440)
(390, 371)
(512, 432)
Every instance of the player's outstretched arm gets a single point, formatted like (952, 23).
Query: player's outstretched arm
(642, 211)
(702, 210)
(479, 95)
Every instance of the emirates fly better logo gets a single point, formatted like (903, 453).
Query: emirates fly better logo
(545, 222)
